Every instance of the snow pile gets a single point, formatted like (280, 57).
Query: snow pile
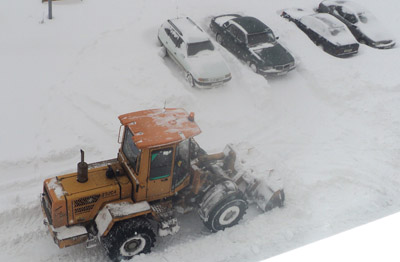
(331, 126)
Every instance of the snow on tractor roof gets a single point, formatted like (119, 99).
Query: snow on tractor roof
(157, 127)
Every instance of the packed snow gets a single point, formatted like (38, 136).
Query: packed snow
(331, 127)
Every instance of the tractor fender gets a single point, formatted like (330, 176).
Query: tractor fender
(214, 195)
(119, 211)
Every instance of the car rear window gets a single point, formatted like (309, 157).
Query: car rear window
(194, 48)
(259, 38)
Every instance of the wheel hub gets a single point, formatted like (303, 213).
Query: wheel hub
(133, 246)
(229, 215)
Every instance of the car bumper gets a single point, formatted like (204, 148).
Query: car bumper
(346, 54)
(277, 70)
(383, 45)
(211, 83)
(64, 236)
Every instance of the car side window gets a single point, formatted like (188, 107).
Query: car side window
(231, 30)
(175, 38)
(241, 36)
(237, 33)
(346, 14)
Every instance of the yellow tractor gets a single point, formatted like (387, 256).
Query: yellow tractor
(159, 170)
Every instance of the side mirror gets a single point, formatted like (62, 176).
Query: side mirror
(276, 38)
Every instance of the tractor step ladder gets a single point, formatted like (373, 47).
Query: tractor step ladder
(168, 224)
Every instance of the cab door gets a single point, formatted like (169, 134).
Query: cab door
(160, 173)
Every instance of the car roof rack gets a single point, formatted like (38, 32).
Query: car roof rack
(175, 27)
(188, 18)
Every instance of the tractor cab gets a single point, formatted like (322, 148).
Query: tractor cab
(155, 151)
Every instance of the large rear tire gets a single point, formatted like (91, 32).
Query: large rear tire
(129, 238)
(227, 212)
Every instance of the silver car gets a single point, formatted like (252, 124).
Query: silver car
(189, 46)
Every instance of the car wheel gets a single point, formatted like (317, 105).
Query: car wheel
(218, 38)
(129, 238)
(254, 67)
(227, 212)
(190, 79)
(163, 51)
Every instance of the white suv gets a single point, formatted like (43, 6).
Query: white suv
(189, 46)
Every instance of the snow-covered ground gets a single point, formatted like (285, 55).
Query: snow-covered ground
(331, 127)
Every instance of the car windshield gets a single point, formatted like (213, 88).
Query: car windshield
(194, 48)
(130, 150)
(259, 38)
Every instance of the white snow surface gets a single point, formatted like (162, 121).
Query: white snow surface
(331, 127)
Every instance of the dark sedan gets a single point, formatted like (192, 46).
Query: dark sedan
(364, 26)
(324, 30)
(253, 42)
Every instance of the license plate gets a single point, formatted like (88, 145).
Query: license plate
(348, 50)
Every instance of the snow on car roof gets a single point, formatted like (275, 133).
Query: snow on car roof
(157, 127)
(329, 27)
(191, 32)
(356, 8)
(297, 13)
(251, 24)
(223, 18)
(367, 23)
(329, 20)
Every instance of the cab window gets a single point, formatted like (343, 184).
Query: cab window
(181, 167)
(161, 163)
(130, 150)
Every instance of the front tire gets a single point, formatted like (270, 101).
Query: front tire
(227, 212)
(129, 238)
(218, 38)
(254, 67)
(190, 79)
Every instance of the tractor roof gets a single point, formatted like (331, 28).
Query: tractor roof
(157, 127)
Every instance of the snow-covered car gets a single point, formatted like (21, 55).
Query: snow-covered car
(325, 30)
(364, 26)
(252, 41)
(189, 46)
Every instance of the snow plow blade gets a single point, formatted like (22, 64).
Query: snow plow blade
(263, 189)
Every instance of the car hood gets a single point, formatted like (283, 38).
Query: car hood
(207, 64)
(273, 55)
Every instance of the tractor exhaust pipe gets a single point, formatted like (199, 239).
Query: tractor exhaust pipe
(82, 169)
